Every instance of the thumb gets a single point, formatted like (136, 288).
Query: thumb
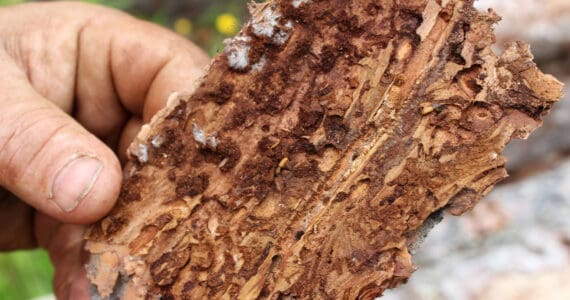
(51, 162)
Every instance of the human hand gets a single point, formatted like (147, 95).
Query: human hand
(77, 82)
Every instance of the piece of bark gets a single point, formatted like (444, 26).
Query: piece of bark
(541, 23)
(319, 147)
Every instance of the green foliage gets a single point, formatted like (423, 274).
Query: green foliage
(119, 4)
(10, 2)
(25, 275)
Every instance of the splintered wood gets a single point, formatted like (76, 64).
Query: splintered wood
(321, 146)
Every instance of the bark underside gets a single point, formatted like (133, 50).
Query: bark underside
(316, 152)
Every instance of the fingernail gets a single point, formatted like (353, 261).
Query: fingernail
(74, 181)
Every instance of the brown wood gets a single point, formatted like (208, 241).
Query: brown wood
(316, 153)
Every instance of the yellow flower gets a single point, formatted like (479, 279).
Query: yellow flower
(227, 24)
(183, 26)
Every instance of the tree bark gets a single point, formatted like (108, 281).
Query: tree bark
(317, 152)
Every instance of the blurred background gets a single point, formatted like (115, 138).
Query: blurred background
(514, 246)
(206, 22)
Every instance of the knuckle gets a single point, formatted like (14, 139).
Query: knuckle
(24, 145)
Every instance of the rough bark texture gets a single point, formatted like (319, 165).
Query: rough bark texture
(321, 146)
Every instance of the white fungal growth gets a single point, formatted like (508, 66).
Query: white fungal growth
(266, 24)
(199, 134)
(237, 51)
(297, 3)
(212, 141)
(282, 36)
(239, 57)
(258, 66)
(141, 153)
(203, 139)
(157, 141)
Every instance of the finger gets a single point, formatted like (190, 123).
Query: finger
(114, 72)
(178, 75)
(65, 247)
(43, 40)
(47, 159)
(145, 62)
(129, 133)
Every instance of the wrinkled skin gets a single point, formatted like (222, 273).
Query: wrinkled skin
(76, 80)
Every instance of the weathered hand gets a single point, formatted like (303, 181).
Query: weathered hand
(77, 82)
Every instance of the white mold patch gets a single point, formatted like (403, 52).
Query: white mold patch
(199, 134)
(212, 141)
(157, 141)
(237, 51)
(283, 35)
(269, 24)
(297, 3)
(258, 66)
(141, 153)
(203, 139)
